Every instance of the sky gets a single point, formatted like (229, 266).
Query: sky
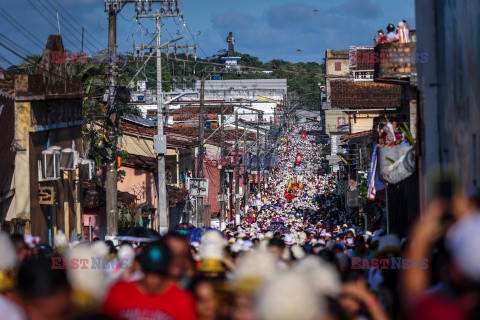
(268, 29)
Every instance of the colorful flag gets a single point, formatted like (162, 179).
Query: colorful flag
(374, 183)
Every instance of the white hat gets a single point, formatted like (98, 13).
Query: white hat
(92, 281)
(241, 235)
(463, 241)
(288, 239)
(32, 241)
(321, 275)
(195, 244)
(236, 247)
(8, 262)
(389, 242)
(349, 242)
(298, 252)
(290, 296)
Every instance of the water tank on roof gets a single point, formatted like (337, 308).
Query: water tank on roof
(141, 85)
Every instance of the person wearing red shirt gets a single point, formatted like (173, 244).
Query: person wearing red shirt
(153, 297)
(382, 38)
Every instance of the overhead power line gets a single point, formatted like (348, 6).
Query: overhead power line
(15, 45)
(62, 25)
(80, 32)
(75, 20)
(20, 28)
(47, 20)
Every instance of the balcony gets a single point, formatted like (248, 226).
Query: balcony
(398, 61)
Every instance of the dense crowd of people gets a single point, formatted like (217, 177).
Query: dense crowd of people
(298, 254)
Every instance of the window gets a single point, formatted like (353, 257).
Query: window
(341, 121)
(338, 66)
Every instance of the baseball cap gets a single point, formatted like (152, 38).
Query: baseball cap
(155, 257)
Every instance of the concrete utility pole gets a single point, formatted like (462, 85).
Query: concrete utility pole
(201, 134)
(245, 172)
(222, 172)
(111, 175)
(237, 173)
(113, 7)
(162, 201)
(169, 10)
(258, 153)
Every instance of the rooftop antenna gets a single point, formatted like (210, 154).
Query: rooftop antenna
(58, 21)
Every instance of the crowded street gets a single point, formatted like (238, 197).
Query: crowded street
(239, 160)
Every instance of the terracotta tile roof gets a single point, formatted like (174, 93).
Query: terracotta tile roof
(195, 110)
(337, 54)
(358, 134)
(95, 196)
(184, 117)
(364, 95)
(192, 112)
(176, 195)
(7, 88)
(145, 163)
(216, 137)
(175, 138)
(184, 135)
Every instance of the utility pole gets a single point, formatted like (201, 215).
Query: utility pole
(163, 221)
(169, 9)
(201, 133)
(222, 172)
(258, 152)
(245, 172)
(237, 173)
(111, 175)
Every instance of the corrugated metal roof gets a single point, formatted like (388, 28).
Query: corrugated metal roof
(266, 84)
(139, 120)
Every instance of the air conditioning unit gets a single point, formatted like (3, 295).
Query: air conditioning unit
(50, 163)
(86, 169)
(69, 159)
